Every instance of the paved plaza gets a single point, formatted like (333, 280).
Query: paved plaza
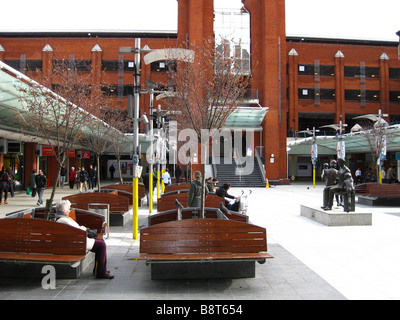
(311, 260)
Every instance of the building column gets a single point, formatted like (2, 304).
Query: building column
(2, 53)
(339, 88)
(293, 121)
(47, 58)
(195, 21)
(384, 82)
(96, 66)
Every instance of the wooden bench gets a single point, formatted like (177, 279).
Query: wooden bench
(42, 242)
(185, 213)
(168, 202)
(119, 205)
(203, 248)
(194, 213)
(165, 194)
(127, 190)
(378, 194)
(177, 186)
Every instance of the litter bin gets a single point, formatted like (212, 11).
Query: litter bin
(103, 209)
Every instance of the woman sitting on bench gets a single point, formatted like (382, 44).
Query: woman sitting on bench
(98, 246)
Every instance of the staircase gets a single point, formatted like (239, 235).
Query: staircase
(228, 173)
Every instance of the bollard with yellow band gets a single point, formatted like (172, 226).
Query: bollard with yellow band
(267, 185)
(151, 191)
(135, 207)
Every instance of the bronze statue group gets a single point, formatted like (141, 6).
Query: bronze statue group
(339, 183)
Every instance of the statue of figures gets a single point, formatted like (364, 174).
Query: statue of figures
(339, 188)
(330, 175)
(350, 192)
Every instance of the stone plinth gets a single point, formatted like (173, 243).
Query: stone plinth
(336, 216)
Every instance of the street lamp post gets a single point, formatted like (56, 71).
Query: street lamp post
(314, 149)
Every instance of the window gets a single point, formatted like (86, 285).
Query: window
(394, 96)
(357, 95)
(358, 71)
(233, 24)
(114, 65)
(311, 70)
(163, 66)
(394, 73)
(310, 93)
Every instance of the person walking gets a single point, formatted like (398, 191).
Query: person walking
(112, 170)
(166, 178)
(90, 177)
(11, 181)
(72, 177)
(41, 184)
(32, 183)
(4, 183)
(83, 179)
(194, 196)
(63, 173)
(178, 173)
(146, 182)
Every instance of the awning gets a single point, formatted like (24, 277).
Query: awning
(360, 142)
(246, 116)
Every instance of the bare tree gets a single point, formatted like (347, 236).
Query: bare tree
(54, 110)
(207, 92)
(101, 134)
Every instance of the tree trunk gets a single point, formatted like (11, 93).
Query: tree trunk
(49, 202)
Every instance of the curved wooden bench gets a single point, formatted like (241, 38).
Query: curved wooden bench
(117, 203)
(177, 186)
(180, 249)
(127, 188)
(378, 194)
(168, 202)
(41, 240)
(194, 213)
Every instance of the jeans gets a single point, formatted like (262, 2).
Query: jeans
(40, 192)
(62, 181)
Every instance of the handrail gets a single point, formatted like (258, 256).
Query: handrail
(260, 165)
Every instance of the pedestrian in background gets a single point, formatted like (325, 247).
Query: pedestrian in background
(4, 179)
(41, 184)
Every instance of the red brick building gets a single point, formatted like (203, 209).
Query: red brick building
(304, 82)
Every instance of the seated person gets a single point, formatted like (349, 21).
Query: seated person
(98, 246)
(223, 192)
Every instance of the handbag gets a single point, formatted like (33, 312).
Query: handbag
(91, 233)
(28, 191)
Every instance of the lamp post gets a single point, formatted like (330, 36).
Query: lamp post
(314, 149)
(136, 152)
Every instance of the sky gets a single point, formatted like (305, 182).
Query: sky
(358, 19)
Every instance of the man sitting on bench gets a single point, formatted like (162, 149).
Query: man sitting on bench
(98, 246)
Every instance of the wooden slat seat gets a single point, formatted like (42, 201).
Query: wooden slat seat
(193, 213)
(119, 204)
(41, 241)
(168, 202)
(378, 190)
(192, 242)
(177, 186)
(127, 188)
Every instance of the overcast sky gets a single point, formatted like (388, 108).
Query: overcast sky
(349, 19)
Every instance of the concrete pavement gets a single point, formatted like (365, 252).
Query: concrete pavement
(312, 261)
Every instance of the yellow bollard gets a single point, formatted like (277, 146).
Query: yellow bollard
(158, 184)
(267, 185)
(135, 208)
(151, 193)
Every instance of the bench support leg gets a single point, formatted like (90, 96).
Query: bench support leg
(203, 270)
